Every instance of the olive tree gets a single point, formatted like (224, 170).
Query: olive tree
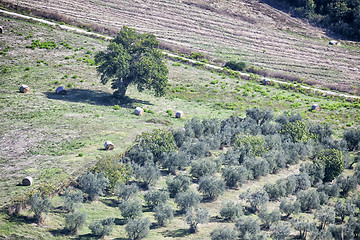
(138, 228)
(163, 214)
(178, 184)
(93, 185)
(231, 211)
(102, 228)
(39, 205)
(194, 217)
(211, 187)
(74, 222)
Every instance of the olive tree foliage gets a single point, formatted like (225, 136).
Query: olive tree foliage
(234, 176)
(187, 199)
(325, 215)
(303, 226)
(174, 161)
(163, 214)
(222, 233)
(352, 138)
(211, 187)
(231, 211)
(74, 222)
(344, 208)
(260, 116)
(39, 205)
(138, 228)
(308, 200)
(245, 226)
(133, 59)
(71, 199)
(154, 198)
(256, 200)
(203, 167)
(102, 228)
(280, 231)
(93, 185)
(149, 173)
(180, 183)
(131, 208)
(126, 192)
(269, 218)
(196, 216)
(288, 207)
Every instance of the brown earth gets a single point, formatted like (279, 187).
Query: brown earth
(249, 30)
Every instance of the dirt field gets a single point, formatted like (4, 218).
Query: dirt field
(247, 30)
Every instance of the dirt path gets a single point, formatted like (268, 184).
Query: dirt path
(210, 66)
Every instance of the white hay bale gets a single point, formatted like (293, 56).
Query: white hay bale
(139, 111)
(109, 145)
(180, 114)
(334, 42)
(24, 89)
(316, 107)
(27, 181)
(61, 90)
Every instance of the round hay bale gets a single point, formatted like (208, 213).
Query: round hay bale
(139, 111)
(27, 181)
(24, 89)
(180, 114)
(316, 107)
(61, 90)
(109, 145)
(334, 42)
(266, 81)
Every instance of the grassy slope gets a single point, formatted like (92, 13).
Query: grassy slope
(42, 133)
(248, 30)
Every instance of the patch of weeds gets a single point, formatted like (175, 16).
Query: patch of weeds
(80, 154)
(26, 75)
(27, 68)
(178, 89)
(295, 105)
(116, 107)
(67, 57)
(169, 112)
(150, 111)
(45, 45)
(176, 64)
(29, 36)
(69, 85)
(65, 76)
(214, 82)
(66, 45)
(57, 82)
(75, 77)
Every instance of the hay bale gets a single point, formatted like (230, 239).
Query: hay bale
(180, 114)
(139, 111)
(1, 30)
(316, 107)
(109, 145)
(24, 89)
(61, 90)
(27, 181)
(266, 81)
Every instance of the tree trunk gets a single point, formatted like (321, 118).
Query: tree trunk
(121, 89)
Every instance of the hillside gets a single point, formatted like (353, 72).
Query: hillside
(248, 30)
(56, 138)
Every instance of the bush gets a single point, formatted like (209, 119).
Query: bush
(163, 214)
(325, 215)
(231, 211)
(102, 228)
(71, 199)
(155, 197)
(352, 138)
(194, 217)
(131, 208)
(211, 187)
(304, 227)
(223, 234)
(269, 218)
(256, 199)
(39, 205)
(74, 222)
(179, 137)
(333, 162)
(93, 185)
(308, 200)
(289, 207)
(178, 184)
(254, 144)
(174, 161)
(236, 66)
(138, 228)
(187, 199)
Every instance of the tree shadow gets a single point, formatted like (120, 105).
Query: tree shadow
(178, 233)
(217, 219)
(88, 236)
(20, 219)
(110, 202)
(96, 97)
(58, 232)
(120, 221)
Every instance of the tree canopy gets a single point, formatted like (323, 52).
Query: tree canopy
(133, 58)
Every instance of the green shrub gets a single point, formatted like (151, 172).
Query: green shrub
(102, 228)
(138, 228)
(116, 107)
(236, 66)
(39, 205)
(75, 221)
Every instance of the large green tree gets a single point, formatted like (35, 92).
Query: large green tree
(133, 58)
